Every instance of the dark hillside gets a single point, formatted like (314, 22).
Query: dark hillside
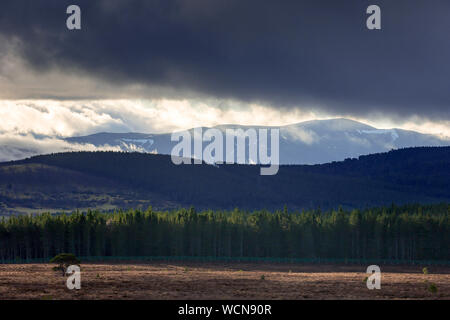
(401, 176)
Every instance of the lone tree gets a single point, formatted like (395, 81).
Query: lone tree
(64, 260)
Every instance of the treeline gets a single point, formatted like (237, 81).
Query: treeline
(413, 232)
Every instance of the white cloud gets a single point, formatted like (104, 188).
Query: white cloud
(306, 136)
(413, 123)
(15, 146)
(69, 118)
(30, 127)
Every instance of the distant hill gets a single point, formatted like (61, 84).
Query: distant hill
(310, 142)
(111, 179)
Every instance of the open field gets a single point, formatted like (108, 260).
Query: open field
(221, 281)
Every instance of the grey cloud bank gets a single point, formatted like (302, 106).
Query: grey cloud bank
(282, 53)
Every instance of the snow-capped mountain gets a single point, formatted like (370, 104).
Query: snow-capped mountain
(310, 142)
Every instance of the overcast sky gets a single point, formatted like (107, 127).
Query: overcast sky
(157, 66)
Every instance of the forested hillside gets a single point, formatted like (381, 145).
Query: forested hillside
(123, 180)
(406, 233)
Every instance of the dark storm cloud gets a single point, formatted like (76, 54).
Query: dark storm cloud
(285, 53)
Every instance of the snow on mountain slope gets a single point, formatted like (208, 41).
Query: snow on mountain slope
(310, 142)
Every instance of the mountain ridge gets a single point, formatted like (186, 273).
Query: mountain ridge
(122, 180)
(309, 142)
